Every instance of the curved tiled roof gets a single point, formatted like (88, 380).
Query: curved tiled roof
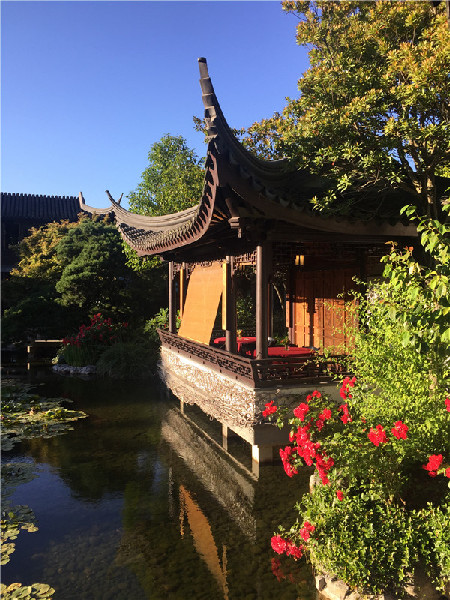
(242, 190)
(40, 208)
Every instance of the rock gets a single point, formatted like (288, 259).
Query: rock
(320, 582)
(334, 589)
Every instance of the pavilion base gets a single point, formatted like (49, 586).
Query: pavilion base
(237, 406)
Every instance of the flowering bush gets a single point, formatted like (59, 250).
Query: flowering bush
(86, 346)
(381, 459)
(365, 476)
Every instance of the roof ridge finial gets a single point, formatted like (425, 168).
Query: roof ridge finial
(203, 66)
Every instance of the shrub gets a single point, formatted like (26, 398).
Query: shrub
(89, 343)
(127, 360)
(374, 517)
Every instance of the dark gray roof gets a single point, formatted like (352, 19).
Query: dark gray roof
(242, 194)
(40, 208)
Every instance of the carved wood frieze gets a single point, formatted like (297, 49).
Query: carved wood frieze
(258, 373)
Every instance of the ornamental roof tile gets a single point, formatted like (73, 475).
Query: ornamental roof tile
(243, 192)
(40, 208)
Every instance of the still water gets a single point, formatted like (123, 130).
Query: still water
(140, 502)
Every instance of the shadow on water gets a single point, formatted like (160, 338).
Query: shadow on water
(139, 502)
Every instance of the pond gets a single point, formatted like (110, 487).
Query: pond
(139, 501)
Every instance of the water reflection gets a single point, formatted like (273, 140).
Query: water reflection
(139, 502)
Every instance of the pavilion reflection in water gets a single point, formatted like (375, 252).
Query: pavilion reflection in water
(199, 463)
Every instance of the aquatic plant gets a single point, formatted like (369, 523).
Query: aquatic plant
(25, 415)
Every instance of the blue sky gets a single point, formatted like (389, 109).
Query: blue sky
(88, 87)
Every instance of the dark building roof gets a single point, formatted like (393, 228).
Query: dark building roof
(40, 208)
(246, 198)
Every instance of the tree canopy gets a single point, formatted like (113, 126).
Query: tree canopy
(69, 272)
(171, 182)
(373, 110)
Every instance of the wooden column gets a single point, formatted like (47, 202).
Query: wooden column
(183, 288)
(262, 278)
(290, 305)
(229, 306)
(172, 300)
(270, 292)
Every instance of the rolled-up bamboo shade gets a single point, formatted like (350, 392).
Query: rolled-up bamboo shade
(202, 301)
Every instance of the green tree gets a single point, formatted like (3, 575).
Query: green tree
(37, 251)
(172, 181)
(373, 110)
(96, 278)
(68, 273)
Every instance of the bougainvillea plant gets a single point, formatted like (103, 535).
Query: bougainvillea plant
(353, 458)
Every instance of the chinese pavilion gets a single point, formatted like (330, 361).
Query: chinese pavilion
(256, 213)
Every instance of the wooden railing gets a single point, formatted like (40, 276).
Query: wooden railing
(258, 373)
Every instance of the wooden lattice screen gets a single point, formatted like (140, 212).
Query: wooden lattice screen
(321, 316)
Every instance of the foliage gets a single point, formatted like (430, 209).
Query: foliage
(25, 415)
(35, 591)
(32, 309)
(114, 349)
(128, 360)
(402, 350)
(434, 523)
(13, 520)
(160, 321)
(361, 523)
(38, 251)
(172, 181)
(95, 276)
(87, 272)
(383, 455)
(90, 342)
(373, 106)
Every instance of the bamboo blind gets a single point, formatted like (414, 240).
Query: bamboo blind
(202, 301)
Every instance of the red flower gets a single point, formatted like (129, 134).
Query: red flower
(434, 462)
(293, 550)
(270, 409)
(316, 394)
(340, 495)
(301, 411)
(306, 530)
(325, 414)
(377, 436)
(447, 404)
(399, 430)
(447, 472)
(346, 418)
(286, 457)
(278, 544)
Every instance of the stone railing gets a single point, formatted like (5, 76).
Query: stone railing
(258, 373)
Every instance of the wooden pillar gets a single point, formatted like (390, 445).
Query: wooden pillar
(270, 292)
(290, 305)
(262, 278)
(172, 300)
(183, 288)
(229, 306)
